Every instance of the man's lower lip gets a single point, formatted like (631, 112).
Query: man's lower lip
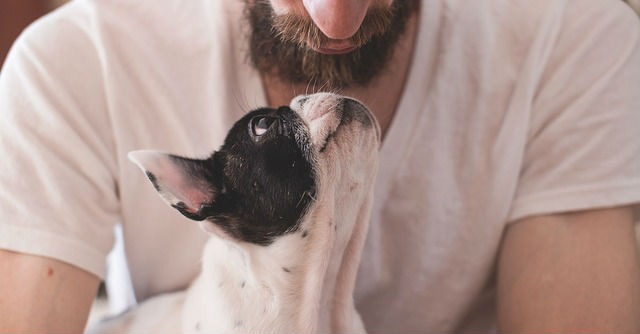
(330, 51)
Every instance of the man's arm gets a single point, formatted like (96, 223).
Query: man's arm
(43, 295)
(570, 272)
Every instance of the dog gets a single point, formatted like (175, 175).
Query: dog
(286, 201)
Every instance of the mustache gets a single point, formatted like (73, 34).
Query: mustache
(302, 31)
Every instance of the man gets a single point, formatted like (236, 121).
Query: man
(510, 162)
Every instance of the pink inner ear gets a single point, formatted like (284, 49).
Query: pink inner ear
(186, 189)
(175, 184)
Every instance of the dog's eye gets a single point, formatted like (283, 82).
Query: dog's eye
(260, 125)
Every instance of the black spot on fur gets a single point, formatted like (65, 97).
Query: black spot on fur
(286, 270)
(303, 100)
(153, 180)
(180, 206)
(352, 111)
(326, 141)
(349, 111)
(242, 284)
(305, 233)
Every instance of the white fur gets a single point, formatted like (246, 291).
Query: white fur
(296, 284)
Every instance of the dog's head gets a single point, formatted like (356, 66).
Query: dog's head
(272, 167)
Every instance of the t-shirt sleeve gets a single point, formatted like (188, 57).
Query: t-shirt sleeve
(583, 149)
(58, 193)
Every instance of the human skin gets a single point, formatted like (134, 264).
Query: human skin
(43, 295)
(337, 19)
(574, 272)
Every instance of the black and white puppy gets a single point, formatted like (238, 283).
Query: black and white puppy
(286, 200)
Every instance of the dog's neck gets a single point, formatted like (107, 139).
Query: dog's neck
(310, 273)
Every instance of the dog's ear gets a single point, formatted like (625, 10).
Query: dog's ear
(185, 184)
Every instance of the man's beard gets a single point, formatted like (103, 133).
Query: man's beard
(282, 45)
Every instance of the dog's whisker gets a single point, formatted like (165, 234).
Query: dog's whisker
(311, 196)
(325, 84)
(242, 104)
(301, 198)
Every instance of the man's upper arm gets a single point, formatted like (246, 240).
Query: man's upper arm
(43, 295)
(567, 272)
(562, 267)
(58, 196)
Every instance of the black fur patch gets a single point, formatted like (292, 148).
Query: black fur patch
(180, 206)
(348, 112)
(153, 180)
(351, 113)
(264, 184)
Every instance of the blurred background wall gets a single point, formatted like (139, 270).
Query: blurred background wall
(15, 15)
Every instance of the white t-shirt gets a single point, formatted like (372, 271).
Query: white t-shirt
(512, 108)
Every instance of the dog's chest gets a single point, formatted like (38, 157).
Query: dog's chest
(234, 295)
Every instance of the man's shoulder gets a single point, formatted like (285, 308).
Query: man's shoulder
(516, 30)
(530, 17)
(537, 16)
(141, 24)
